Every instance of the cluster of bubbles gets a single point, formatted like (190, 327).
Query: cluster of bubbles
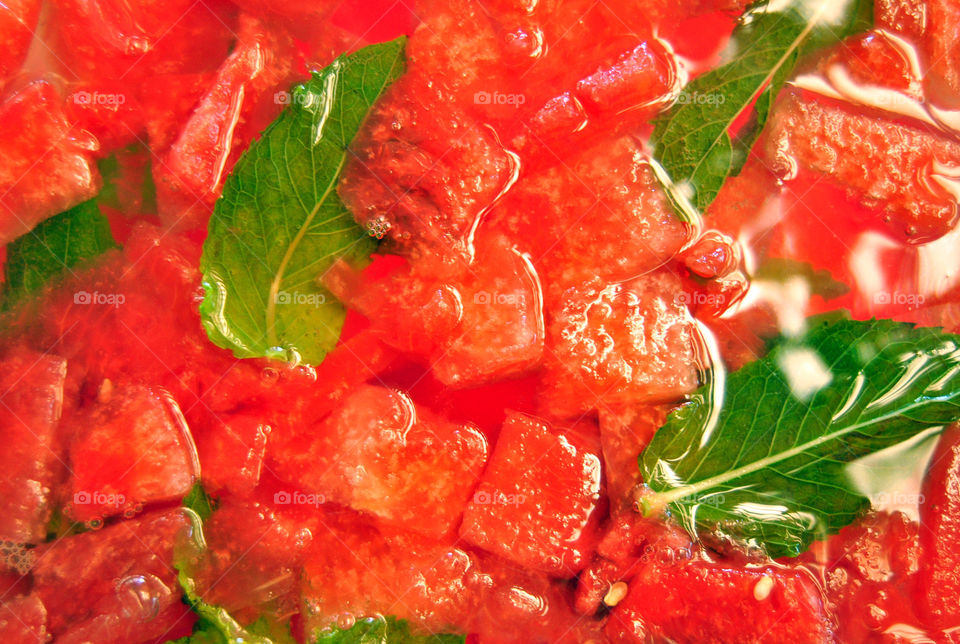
(17, 556)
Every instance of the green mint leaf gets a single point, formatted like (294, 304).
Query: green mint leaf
(199, 501)
(54, 248)
(383, 630)
(768, 466)
(692, 140)
(782, 269)
(280, 223)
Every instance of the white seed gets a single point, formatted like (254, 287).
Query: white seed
(106, 391)
(763, 588)
(616, 594)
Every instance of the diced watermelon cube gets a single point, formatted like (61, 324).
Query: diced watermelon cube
(48, 165)
(624, 433)
(501, 329)
(939, 590)
(907, 17)
(31, 402)
(231, 450)
(18, 21)
(942, 22)
(601, 215)
(901, 169)
(240, 103)
(619, 344)
(133, 41)
(536, 504)
(379, 453)
(355, 570)
(23, 620)
(109, 111)
(125, 570)
(168, 101)
(131, 449)
(707, 603)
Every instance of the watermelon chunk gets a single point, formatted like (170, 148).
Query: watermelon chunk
(902, 170)
(131, 449)
(706, 603)
(124, 571)
(168, 101)
(48, 165)
(23, 620)
(381, 454)
(939, 589)
(871, 563)
(109, 111)
(18, 21)
(355, 570)
(31, 403)
(237, 107)
(133, 41)
(602, 215)
(231, 451)
(619, 344)
(536, 504)
(625, 433)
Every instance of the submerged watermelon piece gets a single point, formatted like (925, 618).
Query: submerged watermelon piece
(381, 454)
(707, 603)
(121, 577)
(133, 41)
(355, 570)
(624, 434)
(242, 101)
(619, 344)
(48, 164)
(231, 449)
(31, 403)
(109, 111)
(536, 504)
(132, 448)
(903, 170)
(871, 563)
(939, 589)
(23, 620)
(18, 21)
(600, 215)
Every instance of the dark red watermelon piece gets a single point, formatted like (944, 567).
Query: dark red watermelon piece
(536, 504)
(31, 403)
(123, 573)
(231, 449)
(131, 448)
(624, 433)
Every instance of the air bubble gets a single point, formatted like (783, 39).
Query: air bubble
(94, 524)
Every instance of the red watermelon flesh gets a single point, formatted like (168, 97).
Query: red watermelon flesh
(379, 453)
(939, 589)
(18, 21)
(125, 568)
(48, 163)
(31, 403)
(617, 344)
(130, 449)
(23, 620)
(536, 504)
